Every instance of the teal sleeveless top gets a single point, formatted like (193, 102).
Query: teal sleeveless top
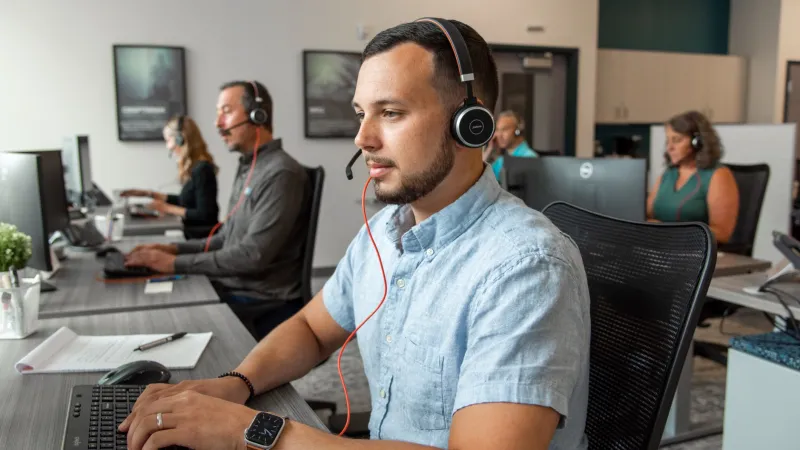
(687, 204)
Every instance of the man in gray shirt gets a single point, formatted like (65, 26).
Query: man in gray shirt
(258, 253)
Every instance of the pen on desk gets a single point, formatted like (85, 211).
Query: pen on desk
(160, 341)
(167, 278)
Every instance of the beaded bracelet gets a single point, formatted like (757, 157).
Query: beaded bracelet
(243, 378)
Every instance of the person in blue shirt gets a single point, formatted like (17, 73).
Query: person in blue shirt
(480, 337)
(508, 140)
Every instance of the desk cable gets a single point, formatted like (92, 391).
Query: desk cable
(792, 320)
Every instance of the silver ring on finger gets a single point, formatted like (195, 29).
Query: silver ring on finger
(160, 421)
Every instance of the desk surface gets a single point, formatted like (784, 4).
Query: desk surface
(33, 407)
(81, 291)
(150, 227)
(733, 264)
(731, 290)
(135, 226)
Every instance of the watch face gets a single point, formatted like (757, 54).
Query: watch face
(265, 429)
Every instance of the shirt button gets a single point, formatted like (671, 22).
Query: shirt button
(389, 338)
(383, 393)
(429, 252)
(401, 283)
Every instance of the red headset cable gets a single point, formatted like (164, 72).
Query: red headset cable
(241, 196)
(385, 291)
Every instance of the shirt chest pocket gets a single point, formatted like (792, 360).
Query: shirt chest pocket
(419, 384)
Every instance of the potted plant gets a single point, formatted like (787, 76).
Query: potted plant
(19, 300)
(15, 250)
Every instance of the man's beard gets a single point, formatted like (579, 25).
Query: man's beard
(414, 187)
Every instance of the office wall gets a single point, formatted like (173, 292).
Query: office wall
(754, 30)
(788, 50)
(668, 25)
(689, 26)
(57, 76)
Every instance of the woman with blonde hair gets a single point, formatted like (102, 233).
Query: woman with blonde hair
(696, 186)
(197, 203)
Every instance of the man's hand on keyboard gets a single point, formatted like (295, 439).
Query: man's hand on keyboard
(228, 388)
(157, 260)
(189, 419)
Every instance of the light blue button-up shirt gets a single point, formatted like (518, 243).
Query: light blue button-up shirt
(487, 302)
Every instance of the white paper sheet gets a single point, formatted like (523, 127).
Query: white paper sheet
(66, 351)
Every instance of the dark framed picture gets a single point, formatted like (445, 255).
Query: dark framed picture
(329, 84)
(150, 82)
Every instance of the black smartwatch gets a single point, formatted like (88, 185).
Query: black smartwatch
(264, 431)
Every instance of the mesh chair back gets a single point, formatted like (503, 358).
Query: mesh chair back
(316, 175)
(646, 283)
(752, 183)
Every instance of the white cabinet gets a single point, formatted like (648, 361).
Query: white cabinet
(650, 87)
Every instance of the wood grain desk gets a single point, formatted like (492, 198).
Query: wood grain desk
(733, 264)
(81, 291)
(33, 408)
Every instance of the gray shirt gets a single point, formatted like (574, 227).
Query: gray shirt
(259, 251)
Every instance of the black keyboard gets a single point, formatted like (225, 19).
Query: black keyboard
(94, 414)
(115, 267)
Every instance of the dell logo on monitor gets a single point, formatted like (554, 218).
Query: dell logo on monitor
(586, 170)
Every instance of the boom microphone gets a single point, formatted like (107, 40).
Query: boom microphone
(349, 169)
(227, 131)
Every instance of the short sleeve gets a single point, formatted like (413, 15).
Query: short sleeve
(528, 341)
(337, 294)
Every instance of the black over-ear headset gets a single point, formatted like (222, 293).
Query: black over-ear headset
(258, 115)
(697, 141)
(472, 125)
(179, 139)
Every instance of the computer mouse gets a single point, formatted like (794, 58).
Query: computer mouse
(137, 373)
(102, 252)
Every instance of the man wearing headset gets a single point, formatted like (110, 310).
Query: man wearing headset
(258, 254)
(483, 339)
(508, 140)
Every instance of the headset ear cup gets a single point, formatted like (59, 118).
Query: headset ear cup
(472, 126)
(258, 116)
(697, 142)
(179, 139)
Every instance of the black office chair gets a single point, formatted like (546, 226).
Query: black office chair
(647, 283)
(249, 313)
(752, 183)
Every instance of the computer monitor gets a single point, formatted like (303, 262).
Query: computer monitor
(612, 187)
(21, 198)
(54, 207)
(77, 169)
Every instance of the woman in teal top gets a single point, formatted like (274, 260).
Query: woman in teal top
(695, 187)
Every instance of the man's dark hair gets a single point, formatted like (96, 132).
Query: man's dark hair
(249, 98)
(446, 76)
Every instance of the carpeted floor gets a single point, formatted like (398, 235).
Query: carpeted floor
(708, 382)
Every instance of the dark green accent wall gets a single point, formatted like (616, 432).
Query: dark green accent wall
(694, 26)
(690, 26)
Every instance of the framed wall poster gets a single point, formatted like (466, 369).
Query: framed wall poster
(329, 84)
(150, 84)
